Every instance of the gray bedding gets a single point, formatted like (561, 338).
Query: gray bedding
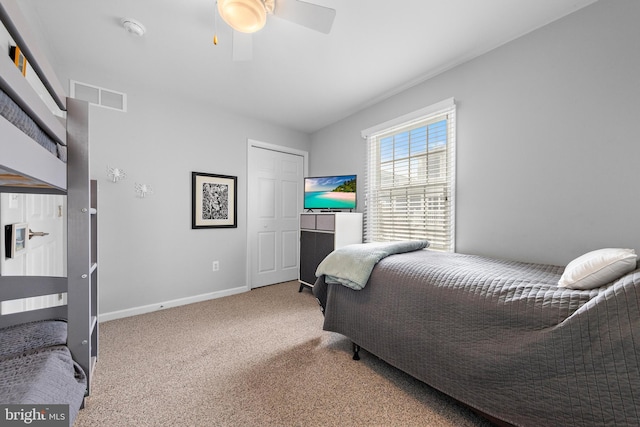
(500, 336)
(37, 368)
(25, 337)
(15, 115)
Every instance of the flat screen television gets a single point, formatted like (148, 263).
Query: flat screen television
(335, 192)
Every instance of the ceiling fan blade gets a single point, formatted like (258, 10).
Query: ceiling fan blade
(242, 46)
(318, 18)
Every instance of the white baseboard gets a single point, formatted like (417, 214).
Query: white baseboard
(104, 317)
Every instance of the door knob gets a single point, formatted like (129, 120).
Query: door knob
(37, 234)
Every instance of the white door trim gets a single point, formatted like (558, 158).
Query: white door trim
(273, 147)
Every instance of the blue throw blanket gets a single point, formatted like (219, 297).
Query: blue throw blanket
(351, 265)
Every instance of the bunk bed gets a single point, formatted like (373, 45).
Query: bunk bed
(47, 356)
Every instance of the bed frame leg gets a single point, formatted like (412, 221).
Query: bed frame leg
(356, 351)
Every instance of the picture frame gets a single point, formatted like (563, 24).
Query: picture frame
(18, 59)
(16, 238)
(214, 201)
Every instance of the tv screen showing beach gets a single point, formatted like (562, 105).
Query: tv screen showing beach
(330, 192)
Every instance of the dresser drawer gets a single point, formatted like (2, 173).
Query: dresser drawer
(326, 222)
(308, 221)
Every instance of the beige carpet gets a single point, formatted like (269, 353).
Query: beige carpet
(255, 359)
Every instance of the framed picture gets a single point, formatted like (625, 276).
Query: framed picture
(16, 237)
(18, 58)
(213, 201)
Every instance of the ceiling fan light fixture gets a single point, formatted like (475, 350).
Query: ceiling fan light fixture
(246, 16)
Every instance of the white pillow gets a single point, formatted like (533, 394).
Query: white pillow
(598, 268)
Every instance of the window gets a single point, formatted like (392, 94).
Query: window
(409, 184)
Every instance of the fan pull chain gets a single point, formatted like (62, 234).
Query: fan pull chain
(215, 24)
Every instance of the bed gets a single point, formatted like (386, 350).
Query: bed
(500, 336)
(36, 366)
(47, 354)
(34, 132)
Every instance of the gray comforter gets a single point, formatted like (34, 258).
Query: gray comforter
(500, 336)
(20, 119)
(36, 367)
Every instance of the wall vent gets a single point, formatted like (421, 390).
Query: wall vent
(99, 96)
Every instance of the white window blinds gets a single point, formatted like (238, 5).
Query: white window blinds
(410, 178)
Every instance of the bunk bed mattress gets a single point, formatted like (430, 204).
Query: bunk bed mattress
(500, 336)
(37, 368)
(26, 337)
(47, 376)
(20, 119)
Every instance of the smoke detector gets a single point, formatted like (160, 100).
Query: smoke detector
(133, 26)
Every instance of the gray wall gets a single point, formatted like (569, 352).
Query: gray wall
(148, 253)
(548, 138)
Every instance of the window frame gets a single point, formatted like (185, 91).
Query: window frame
(406, 220)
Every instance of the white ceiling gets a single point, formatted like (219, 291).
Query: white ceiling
(298, 78)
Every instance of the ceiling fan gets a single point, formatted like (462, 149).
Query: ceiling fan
(249, 16)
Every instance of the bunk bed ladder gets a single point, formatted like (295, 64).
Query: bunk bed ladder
(82, 271)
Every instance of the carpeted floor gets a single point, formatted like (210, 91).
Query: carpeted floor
(255, 359)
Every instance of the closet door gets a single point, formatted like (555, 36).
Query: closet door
(275, 200)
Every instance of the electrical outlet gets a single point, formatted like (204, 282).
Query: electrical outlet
(216, 265)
